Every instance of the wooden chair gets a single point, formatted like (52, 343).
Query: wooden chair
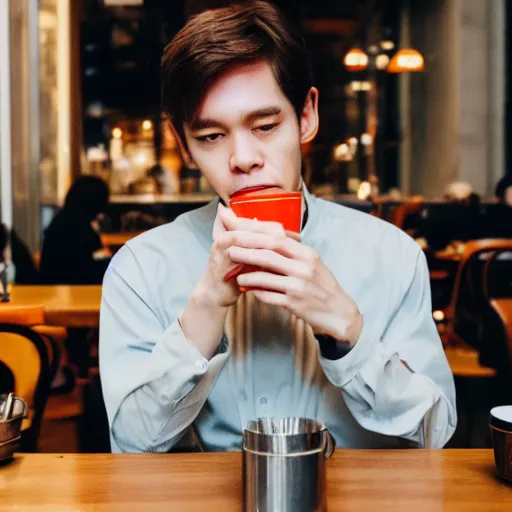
(33, 360)
(398, 214)
(468, 296)
(497, 289)
(33, 317)
(469, 335)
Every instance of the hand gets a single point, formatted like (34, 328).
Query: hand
(203, 318)
(214, 289)
(294, 277)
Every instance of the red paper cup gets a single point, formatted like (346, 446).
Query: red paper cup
(282, 207)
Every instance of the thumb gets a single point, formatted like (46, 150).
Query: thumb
(218, 225)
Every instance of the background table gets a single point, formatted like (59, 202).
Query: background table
(65, 306)
(118, 239)
(362, 480)
(464, 362)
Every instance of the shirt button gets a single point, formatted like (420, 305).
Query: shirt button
(201, 365)
(263, 401)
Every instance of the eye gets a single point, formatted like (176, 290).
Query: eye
(266, 128)
(211, 137)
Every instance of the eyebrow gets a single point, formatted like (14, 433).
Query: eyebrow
(202, 124)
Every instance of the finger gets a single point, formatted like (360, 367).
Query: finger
(224, 240)
(218, 225)
(233, 273)
(272, 298)
(234, 223)
(270, 260)
(281, 244)
(268, 281)
(293, 235)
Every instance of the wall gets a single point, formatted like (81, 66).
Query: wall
(454, 114)
(24, 119)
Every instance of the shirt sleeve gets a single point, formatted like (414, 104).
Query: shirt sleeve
(154, 380)
(415, 403)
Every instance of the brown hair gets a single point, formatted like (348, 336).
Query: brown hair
(217, 40)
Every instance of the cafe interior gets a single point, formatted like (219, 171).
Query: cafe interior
(415, 116)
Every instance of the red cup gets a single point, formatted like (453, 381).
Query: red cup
(282, 207)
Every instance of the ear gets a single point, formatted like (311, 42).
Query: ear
(185, 154)
(309, 120)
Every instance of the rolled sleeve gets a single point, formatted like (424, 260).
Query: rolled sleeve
(154, 379)
(416, 400)
(341, 371)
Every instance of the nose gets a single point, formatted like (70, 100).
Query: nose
(245, 156)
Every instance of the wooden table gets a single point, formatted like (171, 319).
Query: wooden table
(65, 306)
(357, 480)
(464, 362)
(117, 239)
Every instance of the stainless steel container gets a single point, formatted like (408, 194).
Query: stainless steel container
(284, 465)
(12, 412)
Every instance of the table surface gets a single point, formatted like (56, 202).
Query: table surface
(408, 480)
(464, 362)
(65, 306)
(117, 239)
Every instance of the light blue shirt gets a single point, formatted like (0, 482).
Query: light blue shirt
(156, 383)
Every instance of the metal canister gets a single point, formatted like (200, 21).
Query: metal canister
(284, 465)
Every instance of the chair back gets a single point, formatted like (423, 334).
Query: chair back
(497, 286)
(399, 213)
(466, 314)
(32, 359)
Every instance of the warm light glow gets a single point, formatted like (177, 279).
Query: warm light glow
(140, 159)
(381, 61)
(356, 85)
(64, 97)
(356, 60)
(353, 141)
(406, 60)
(366, 139)
(366, 86)
(147, 125)
(438, 316)
(387, 45)
(117, 133)
(364, 191)
(341, 152)
(47, 20)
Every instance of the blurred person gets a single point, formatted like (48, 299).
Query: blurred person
(73, 254)
(504, 190)
(72, 249)
(340, 325)
(460, 220)
(498, 219)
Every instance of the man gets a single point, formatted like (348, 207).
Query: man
(498, 219)
(343, 331)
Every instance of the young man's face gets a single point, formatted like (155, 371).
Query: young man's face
(247, 132)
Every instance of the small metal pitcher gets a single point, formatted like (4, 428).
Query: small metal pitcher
(12, 412)
(284, 465)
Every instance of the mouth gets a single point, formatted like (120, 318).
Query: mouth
(257, 189)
